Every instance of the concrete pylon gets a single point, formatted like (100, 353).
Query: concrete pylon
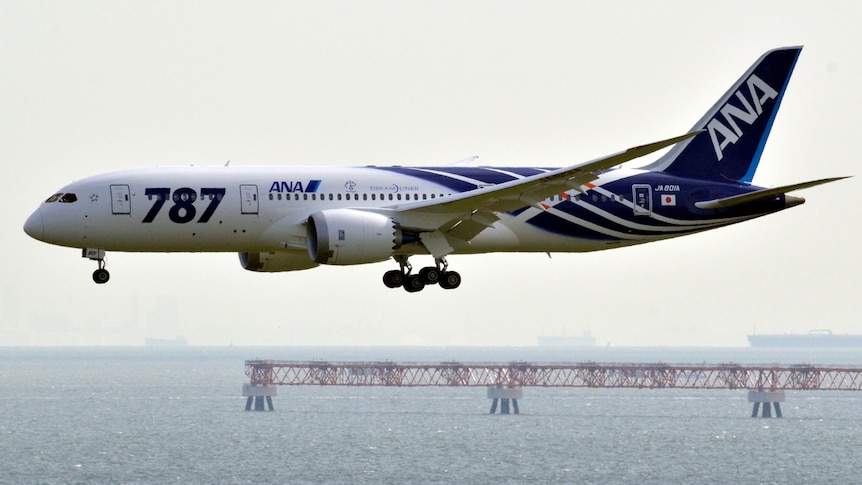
(768, 398)
(257, 395)
(503, 396)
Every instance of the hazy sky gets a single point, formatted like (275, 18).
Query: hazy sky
(87, 87)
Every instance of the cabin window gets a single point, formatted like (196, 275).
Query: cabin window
(339, 197)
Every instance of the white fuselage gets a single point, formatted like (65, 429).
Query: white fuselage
(250, 209)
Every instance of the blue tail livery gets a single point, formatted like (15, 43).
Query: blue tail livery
(284, 218)
(737, 125)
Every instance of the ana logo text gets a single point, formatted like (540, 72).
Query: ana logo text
(728, 132)
(294, 186)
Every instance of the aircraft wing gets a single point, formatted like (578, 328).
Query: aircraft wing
(463, 216)
(760, 194)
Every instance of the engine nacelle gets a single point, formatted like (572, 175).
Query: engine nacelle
(274, 262)
(348, 236)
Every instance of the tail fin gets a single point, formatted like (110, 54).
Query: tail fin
(737, 126)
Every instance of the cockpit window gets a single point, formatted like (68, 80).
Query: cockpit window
(53, 198)
(68, 198)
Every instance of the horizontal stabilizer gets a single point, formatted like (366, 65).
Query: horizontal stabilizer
(760, 194)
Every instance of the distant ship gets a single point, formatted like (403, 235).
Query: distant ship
(585, 340)
(815, 338)
(179, 341)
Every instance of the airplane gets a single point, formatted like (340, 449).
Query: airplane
(296, 218)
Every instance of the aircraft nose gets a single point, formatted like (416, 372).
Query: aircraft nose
(34, 226)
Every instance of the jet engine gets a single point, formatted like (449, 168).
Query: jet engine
(273, 262)
(349, 236)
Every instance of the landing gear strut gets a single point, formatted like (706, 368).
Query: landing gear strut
(101, 275)
(429, 275)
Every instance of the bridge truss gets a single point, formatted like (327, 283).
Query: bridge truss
(515, 375)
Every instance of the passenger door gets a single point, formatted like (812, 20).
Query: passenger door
(250, 204)
(120, 201)
(642, 197)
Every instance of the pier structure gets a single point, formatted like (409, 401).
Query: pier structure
(257, 395)
(503, 396)
(766, 398)
(505, 381)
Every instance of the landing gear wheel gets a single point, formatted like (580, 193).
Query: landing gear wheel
(430, 275)
(398, 277)
(393, 279)
(450, 280)
(413, 283)
(101, 276)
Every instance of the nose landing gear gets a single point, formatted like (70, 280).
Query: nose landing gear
(430, 275)
(101, 275)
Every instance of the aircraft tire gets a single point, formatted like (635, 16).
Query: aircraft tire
(101, 276)
(413, 283)
(393, 278)
(450, 280)
(430, 275)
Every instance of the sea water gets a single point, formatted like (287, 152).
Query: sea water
(176, 415)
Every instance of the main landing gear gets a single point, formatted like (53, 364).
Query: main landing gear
(430, 275)
(101, 275)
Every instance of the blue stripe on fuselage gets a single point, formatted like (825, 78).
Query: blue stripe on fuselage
(602, 208)
(454, 184)
(484, 175)
(607, 212)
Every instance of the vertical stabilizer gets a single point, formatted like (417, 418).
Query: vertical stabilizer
(737, 126)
